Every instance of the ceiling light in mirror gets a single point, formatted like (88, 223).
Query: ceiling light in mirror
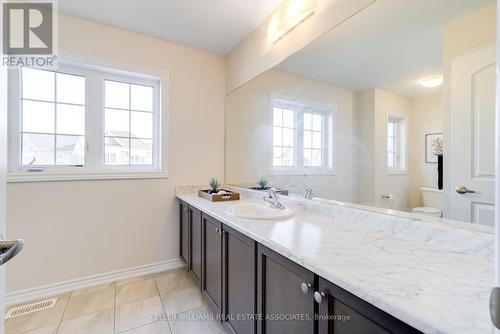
(432, 81)
(288, 16)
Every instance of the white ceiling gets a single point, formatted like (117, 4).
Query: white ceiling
(390, 45)
(213, 25)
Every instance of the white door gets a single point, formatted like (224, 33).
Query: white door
(471, 149)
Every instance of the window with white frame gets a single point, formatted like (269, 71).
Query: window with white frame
(128, 124)
(396, 144)
(302, 137)
(84, 119)
(52, 129)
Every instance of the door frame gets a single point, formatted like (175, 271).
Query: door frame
(497, 162)
(3, 179)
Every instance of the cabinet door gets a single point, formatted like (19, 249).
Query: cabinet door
(343, 313)
(284, 306)
(195, 244)
(184, 233)
(239, 281)
(212, 262)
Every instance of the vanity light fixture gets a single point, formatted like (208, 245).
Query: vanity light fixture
(432, 81)
(290, 16)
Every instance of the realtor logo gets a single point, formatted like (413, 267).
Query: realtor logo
(28, 30)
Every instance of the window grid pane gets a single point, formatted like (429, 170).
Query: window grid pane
(128, 130)
(393, 144)
(312, 140)
(283, 137)
(48, 122)
(118, 148)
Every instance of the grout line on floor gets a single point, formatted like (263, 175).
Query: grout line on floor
(62, 315)
(137, 327)
(163, 307)
(114, 311)
(164, 310)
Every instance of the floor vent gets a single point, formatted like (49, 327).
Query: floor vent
(30, 308)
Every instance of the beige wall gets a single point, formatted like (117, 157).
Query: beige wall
(374, 106)
(459, 37)
(365, 145)
(249, 133)
(80, 228)
(427, 116)
(257, 53)
(387, 103)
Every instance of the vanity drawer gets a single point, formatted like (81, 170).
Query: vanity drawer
(340, 312)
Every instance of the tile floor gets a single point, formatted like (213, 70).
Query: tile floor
(166, 303)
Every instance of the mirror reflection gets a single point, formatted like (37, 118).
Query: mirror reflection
(393, 112)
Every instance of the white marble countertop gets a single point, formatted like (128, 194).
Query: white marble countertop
(435, 278)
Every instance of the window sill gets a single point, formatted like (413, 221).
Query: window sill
(301, 172)
(397, 172)
(55, 176)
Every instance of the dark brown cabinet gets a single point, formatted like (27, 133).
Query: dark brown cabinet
(343, 313)
(212, 262)
(239, 283)
(256, 290)
(284, 295)
(184, 233)
(195, 244)
(190, 239)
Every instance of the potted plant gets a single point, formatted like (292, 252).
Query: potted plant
(214, 186)
(263, 185)
(263, 182)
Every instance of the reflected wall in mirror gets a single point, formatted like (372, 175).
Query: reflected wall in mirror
(388, 111)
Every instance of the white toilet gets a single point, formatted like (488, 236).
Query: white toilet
(433, 203)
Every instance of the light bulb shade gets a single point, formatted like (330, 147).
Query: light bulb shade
(289, 16)
(432, 81)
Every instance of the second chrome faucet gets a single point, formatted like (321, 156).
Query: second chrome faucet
(273, 200)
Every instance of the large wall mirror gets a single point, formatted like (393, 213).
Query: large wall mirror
(387, 111)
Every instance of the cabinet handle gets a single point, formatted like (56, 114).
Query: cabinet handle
(319, 297)
(305, 288)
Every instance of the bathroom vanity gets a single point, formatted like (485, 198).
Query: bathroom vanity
(325, 270)
(353, 126)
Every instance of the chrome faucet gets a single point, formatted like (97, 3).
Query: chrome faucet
(308, 192)
(273, 200)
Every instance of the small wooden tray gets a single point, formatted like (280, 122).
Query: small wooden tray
(229, 196)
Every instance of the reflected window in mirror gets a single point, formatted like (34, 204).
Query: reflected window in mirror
(302, 137)
(396, 145)
(313, 138)
(283, 137)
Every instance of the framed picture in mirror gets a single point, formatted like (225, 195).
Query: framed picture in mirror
(433, 147)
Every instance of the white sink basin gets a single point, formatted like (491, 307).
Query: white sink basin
(255, 211)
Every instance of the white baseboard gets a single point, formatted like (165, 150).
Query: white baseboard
(22, 296)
